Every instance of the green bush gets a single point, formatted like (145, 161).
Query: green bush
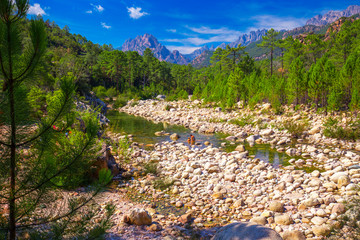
(151, 167)
(120, 102)
(334, 129)
(111, 92)
(100, 91)
(296, 129)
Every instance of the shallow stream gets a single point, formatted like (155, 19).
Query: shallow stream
(144, 130)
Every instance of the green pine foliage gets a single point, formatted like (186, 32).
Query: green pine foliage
(43, 149)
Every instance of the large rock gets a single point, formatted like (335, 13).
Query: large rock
(283, 219)
(174, 136)
(252, 138)
(244, 231)
(240, 148)
(315, 130)
(276, 206)
(266, 132)
(138, 217)
(335, 177)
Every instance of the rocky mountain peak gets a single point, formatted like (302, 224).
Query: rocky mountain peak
(332, 16)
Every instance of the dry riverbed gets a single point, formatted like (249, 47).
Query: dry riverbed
(215, 188)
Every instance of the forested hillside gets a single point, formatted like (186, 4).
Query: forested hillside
(315, 69)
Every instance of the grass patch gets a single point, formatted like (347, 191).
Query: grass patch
(151, 167)
(124, 150)
(217, 120)
(135, 103)
(334, 129)
(163, 183)
(296, 129)
(243, 121)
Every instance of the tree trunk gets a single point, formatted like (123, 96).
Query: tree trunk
(12, 223)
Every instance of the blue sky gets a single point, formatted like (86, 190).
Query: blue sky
(179, 24)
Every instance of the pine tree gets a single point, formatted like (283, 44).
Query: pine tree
(269, 41)
(36, 157)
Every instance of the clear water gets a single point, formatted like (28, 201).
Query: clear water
(144, 132)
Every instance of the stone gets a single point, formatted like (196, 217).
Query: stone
(230, 177)
(240, 148)
(251, 231)
(238, 203)
(179, 204)
(315, 130)
(318, 220)
(343, 180)
(231, 138)
(266, 132)
(155, 227)
(276, 206)
(283, 219)
(206, 143)
(185, 218)
(293, 235)
(174, 136)
(338, 208)
(335, 177)
(259, 220)
(218, 195)
(323, 230)
(311, 202)
(252, 138)
(138, 217)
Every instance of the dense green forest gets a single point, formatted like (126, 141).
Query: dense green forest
(321, 70)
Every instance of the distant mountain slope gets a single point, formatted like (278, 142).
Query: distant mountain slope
(246, 39)
(203, 60)
(140, 43)
(332, 16)
(190, 57)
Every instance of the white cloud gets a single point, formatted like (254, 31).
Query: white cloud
(183, 49)
(105, 26)
(277, 23)
(171, 30)
(135, 13)
(214, 31)
(97, 8)
(217, 35)
(89, 12)
(36, 10)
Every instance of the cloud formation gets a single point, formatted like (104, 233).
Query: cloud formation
(171, 30)
(97, 8)
(182, 49)
(275, 22)
(208, 35)
(105, 26)
(36, 10)
(135, 13)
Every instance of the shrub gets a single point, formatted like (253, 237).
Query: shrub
(151, 167)
(296, 129)
(100, 91)
(334, 129)
(124, 150)
(120, 102)
(135, 103)
(111, 92)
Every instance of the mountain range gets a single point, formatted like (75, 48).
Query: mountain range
(201, 56)
(332, 16)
